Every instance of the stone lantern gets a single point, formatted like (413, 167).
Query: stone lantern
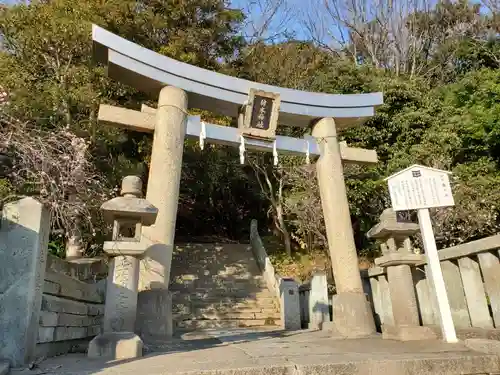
(397, 258)
(128, 213)
(393, 233)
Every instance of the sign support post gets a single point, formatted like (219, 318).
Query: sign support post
(420, 188)
(436, 276)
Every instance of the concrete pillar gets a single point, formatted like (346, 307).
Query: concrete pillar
(121, 294)
(319, 309)
(404, 302)
(163, 185)
(290, 304)
(24, 238)
(162, 192)
(406, 322)
(352, 315)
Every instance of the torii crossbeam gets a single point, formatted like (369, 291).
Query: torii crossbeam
(144, 121)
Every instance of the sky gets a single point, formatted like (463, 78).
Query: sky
(286, 18)
(257, 13)
(8, 2)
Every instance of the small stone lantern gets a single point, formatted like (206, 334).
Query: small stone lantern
(397, 258)
(128, 213)
(393, 233)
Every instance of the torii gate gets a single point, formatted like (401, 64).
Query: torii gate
(193, 87)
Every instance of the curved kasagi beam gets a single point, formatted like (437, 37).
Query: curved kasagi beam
(149, 71)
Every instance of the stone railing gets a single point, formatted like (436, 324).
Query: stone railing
(72, 309)
(402, 294)
(47, 306)
(285, 289)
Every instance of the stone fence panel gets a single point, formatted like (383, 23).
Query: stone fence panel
(472, 278)
(71, 309)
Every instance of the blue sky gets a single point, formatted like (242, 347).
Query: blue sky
(255, 14)
(290, 14)
(8, 2)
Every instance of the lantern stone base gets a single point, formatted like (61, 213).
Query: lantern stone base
(116, 345)
(407, 333)
(396, 259)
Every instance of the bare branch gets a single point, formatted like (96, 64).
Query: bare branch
(54, 166)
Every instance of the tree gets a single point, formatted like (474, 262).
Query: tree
(271, 180)
(414, 38)
(46, 67)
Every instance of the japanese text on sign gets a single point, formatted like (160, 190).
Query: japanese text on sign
(420, 188)
(261, 112)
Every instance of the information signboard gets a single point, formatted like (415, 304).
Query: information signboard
(420, 187)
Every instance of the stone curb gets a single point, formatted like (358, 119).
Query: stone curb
(483, 345)
(4, 367)
(465, 365)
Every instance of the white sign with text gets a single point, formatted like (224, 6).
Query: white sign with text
(419, 187)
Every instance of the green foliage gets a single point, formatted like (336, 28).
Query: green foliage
(6, 190)
(57, 247)
(441, 108)
(46, 67)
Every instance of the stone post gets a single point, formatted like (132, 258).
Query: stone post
(24, 237)
(129, 214)
(319, 306)
(397, 258)
(352, 315)
(154, 309)
(290, 304)
(120, 309)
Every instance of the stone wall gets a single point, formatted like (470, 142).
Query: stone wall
(47, 306)
(285, 289)
(72, 305)
(472, 277)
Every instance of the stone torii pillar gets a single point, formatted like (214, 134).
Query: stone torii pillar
(154, 306)
(352, 315)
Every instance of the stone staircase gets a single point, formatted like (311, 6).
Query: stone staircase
(220, 286)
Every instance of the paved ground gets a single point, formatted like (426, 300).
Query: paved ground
(240, 352)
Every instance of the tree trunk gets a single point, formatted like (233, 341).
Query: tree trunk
(74, 245)
(287, 241)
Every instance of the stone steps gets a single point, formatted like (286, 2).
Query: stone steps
(230, 315)
(195, 324)
(208, 284)
(220, 286)
(221, 293)
(255, 308)
(221, 309)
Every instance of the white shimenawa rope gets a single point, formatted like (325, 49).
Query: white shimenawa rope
(242, 150)
(308, 159)
(275, 154)
(203, 135)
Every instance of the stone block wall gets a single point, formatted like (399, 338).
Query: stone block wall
(72, 305)
(47, 306)
(471, 273)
